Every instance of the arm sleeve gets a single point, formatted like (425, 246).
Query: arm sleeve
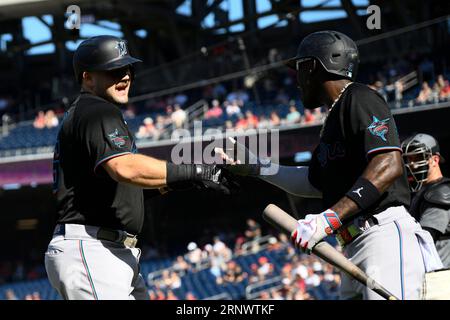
(106, 136)
(373, 124)
(293, 180)
(435, 218)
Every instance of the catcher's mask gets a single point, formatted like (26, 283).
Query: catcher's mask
(416, 156)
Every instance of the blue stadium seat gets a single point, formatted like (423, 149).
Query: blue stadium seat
(202, 283)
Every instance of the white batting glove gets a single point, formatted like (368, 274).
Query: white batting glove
(314, 228)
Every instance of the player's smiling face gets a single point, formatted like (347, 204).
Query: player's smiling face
(113, 85)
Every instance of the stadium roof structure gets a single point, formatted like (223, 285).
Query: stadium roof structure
(10, 9)
(165, 16)
(175, 43)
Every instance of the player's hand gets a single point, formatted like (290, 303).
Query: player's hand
(245, 163)
(225, 157)
(314, 228)
(243, 154)
(235, 167)
(214, 178)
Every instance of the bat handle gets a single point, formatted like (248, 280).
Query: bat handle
(286, 223)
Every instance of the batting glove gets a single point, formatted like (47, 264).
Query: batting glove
(204, 176)
(314, 228)
(212, 177)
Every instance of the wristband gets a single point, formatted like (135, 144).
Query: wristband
(177, 173)
(364, 193)
(189, 172)
(332, 219)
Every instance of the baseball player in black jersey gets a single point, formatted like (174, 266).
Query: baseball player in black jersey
(431, 190)
(357, 170)
(99, 179)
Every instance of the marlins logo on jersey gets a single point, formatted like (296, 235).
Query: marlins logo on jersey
(379, 128)
(118, 140)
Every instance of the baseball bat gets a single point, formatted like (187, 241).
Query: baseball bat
(286, 223)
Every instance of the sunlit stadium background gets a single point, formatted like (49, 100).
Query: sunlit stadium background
(221, 62)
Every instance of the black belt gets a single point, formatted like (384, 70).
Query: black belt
(107, 234)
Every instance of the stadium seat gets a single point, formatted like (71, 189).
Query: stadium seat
(202, 283)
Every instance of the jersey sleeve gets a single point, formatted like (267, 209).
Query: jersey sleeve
(372, 121)
(435, 218)
(106, 135)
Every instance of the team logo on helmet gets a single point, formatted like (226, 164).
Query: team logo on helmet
(118, 140)
(349, 72)
(121, 46)
(379, 128)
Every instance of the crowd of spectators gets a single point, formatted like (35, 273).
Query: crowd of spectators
(10, 295)
(14, 271)
(227, 102)
(230, 106)
(439, 92)
(233, 114)
(218, 257)
(233, 106)
(299, 273)
(46, 119)
(154, 129)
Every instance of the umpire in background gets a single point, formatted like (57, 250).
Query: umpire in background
(431, 201)
(99, 179)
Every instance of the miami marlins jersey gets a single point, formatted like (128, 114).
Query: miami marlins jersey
(359, 126)
(92, 132)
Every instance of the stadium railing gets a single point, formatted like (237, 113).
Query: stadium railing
(152, 276)
(222, 296)
(34, 142)
(259, 244)
(195, 112)
(254, 290)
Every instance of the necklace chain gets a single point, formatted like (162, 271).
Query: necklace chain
(339, 96)
(332, 106)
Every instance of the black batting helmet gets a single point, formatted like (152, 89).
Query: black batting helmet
(337, 53)
(101, 53)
